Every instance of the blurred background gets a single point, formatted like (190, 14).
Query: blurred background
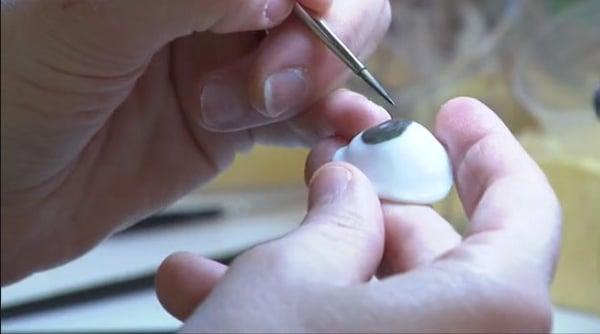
(536, 63)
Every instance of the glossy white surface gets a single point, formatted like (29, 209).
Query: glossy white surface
(411, 168)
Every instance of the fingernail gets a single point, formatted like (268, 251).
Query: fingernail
(220, 107)
(285, 91)
(276, 10)
(329, 184)
(379, 109)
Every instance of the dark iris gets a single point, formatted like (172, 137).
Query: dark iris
(597, 102)
(385, 131)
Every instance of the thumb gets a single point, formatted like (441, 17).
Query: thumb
(341, 238)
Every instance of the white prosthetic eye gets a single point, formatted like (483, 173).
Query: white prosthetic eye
(403, 160)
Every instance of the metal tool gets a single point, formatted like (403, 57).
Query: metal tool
(322, 30)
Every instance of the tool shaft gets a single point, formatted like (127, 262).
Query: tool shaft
(330, 39)
(321, 29)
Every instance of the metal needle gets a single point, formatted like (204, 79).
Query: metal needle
(322, 30)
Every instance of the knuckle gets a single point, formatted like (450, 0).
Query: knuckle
(346, 219)
(342, 225)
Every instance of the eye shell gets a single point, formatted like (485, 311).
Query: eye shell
(403, 160)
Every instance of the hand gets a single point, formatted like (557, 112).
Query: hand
(113, 109)
(316, 279)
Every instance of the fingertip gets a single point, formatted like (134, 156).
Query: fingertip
(350, 113)
(344, 182)
(163, 282)
(183, 280)
(276, 11)
(335, 167)
(318, 6)
(292, 46)
(328, 183)
(342, 113)
(321, 155)
(345, 218)
(453, 112)
(462, 122)
(461, 101)
(465, 115)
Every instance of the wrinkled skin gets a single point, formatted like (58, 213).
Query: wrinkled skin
(317, 278)
(104, 116)
(113, 109)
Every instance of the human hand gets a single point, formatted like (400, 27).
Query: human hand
(317, 278)
(111, 110)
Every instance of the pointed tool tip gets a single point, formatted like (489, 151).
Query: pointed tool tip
(386, 96)
(376, 85)
(390, 100)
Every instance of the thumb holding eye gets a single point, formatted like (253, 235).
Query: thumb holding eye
(341, 238)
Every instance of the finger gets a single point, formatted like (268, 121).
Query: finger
(501, 270)
(318, 6)
(414, 236)
(161, 21)
(509, 200)
(184, 280)
(343, 113)
(294, 47)
(321, 155)
(340, 240)
(289, 71)
(244, 15)
(138, 29)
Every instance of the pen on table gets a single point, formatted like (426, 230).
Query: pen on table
(111, 288)
(322, 30)
(180, 217)
(597, 102)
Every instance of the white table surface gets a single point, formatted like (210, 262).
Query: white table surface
(141, 311)
(130, 255)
